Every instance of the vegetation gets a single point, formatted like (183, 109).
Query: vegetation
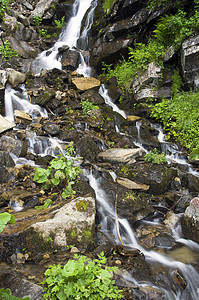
(37, 20)
(81, 278)
(43, 32)
(60, 174)
(107, 4)
(171, 30)
(155, 157)
(7, 52)
(60, 24)
(4, 5)
(5, 294)
(4, 219)
(87, 106)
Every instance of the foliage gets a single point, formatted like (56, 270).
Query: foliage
(87, 106)
(43, 32)
(180, 117)
(81, 278)
(37, 20)
(5, 294)
(5, 218)
(176, 82)
(47, 203)
(152, 4)
(61, 172)
(155, 157)
(7, 52)
(60, 24)
(194, 154)
(3, 6)
(107, 4)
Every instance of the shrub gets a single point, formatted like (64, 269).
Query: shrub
(60, 24)
(3, 6)
(81, 279)
(61, 172)
(5, 294)
(155, 157)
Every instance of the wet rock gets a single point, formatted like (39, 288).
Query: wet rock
(11, 145)
(132, 118)
(41, 8)
(189, 62)
(5, 124)
(51, 128)
(193, 182)
(132, 185)
(119, 155)
(190, 220)
(180, 280)
(70, 60)
(86, 83)
(7, 163)
(19, 195)
(158, 177)
(153, 293)
(92, 96)
(21, 287)
(87, 148)
(21, 117)
(24, 49)
(45, 97)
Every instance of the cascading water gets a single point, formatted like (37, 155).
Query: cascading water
(50, 59)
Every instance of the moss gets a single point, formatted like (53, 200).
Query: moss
(87, 235)
(82, 205)
(73, 233)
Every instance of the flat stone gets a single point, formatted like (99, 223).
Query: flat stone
(132, 185)
(132, 118)
(5, 124)
(86, 83)
(22, 117)
(120, 155)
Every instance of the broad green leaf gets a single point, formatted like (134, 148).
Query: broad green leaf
(5, 218)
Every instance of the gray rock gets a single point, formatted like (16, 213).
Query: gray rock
(88, 148)
(11, 145)
(190, 220)
(15, 77)
(119, 155)
(41, 8)
(5, 124)
(70, 60)
(51, 128)
(92, 96)
(7, 163)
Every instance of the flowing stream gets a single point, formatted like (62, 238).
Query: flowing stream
(72, 36)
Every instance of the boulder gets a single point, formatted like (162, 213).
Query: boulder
(15, 77)
(51, 128)
(119, 155)
(23, 48)
(7, 163)
(87, 148)
(41, 8)
(70, 59)
(21, 117)
(132, 185)
(190, 62)
(92, 96)
(5, 124)
(86, 83)
(190, 220)
(11, 145)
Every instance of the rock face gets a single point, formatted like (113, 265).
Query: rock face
(119, 155)
(190, 220)
(190, 62)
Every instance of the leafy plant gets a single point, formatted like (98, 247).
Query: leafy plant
(60, 24)
(87, 106)
(7, 52)
(107, 4)
(43, 32)
(37, 20)
(194, 154)
(47, 203)
(4, 4)
(155, 157)
(81, 279)
(5, 294)
(61, 172)
(5, 218)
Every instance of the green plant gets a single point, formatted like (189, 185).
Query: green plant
(47, 203)
(4, 5)
(155, 157)
(43, 32)
(60, 173)
(60, 24)
(5, 218)
(5, 294)
(37, 20)
(107, 4)
(87, 106)
(7, 52)
(81, 279)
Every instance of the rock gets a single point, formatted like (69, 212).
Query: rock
(10, 23)
(6, 163)
(21, 287)
(23, 48)
(92, 96)
(180, 280)
(119, 155)
(15, 77)
(51, 128)
(132, 185)
(87, 148)
(5, 124)
(3, 78)
(193, 182)
(21, 117)
(190, 62)
(132, 118)
(11, 145)
(41, 8)
(190, 220)
(70, 60)
(86, 83)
